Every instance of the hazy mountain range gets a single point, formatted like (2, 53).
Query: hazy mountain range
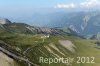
(7, 26)
(84, 23)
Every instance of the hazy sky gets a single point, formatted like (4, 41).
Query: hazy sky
(20, 7)
(29, 5)
(34, 3)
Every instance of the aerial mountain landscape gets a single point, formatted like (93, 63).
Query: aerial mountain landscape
(50, 33)
(23, 44)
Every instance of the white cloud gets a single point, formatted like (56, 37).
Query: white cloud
(71, 5)
(85, 4)
(89, 3)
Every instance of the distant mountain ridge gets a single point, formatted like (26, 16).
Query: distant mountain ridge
(22, 28)
(83, 22)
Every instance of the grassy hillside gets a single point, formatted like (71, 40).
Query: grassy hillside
(26, 44)
(33, 47)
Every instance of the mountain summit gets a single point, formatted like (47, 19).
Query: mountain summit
(4, 21)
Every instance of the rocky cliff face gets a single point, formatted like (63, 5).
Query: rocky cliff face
(5, 60)
(4, 21)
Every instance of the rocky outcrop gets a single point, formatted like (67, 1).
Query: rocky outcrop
(4, 21)
(5, 60)
(45, 30)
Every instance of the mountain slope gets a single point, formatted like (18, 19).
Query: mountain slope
(21, 28)
(25, 45)
(84, 23)
(33, 47)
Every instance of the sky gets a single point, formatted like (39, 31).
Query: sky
(22, 7)
(34, 3)
(16, 5)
